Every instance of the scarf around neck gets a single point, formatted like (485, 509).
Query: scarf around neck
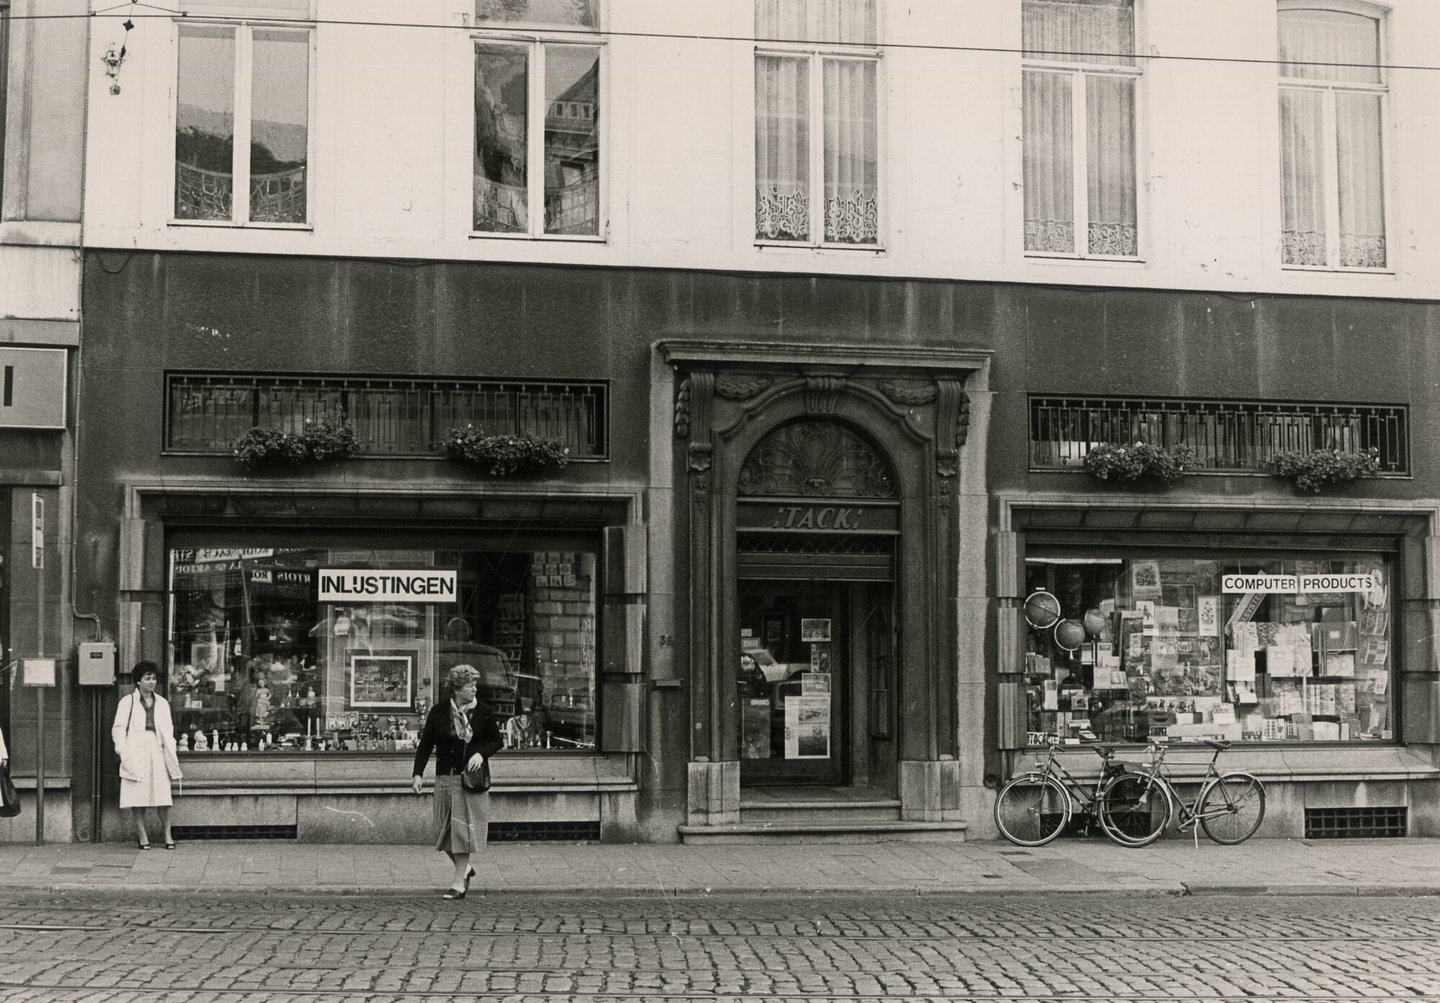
(460, 720)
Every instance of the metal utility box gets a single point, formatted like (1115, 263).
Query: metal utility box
(96, 662)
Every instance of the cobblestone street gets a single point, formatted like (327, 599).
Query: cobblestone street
(118, 948)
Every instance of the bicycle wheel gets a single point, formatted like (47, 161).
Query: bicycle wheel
(1232, 808)
(1134, 809)
(1032, 809)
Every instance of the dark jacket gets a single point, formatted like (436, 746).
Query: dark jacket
(451, 754)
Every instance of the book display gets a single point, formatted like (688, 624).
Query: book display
(1269, 650)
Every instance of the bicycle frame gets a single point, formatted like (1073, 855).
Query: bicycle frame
(1077, 794)
(1187, 813)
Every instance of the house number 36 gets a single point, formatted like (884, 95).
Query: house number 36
(667, 640)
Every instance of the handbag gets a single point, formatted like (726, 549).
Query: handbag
(477, 781)
(9, 799)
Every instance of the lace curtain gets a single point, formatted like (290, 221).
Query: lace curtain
(846, 21)
(851, 209)
(1308, 38)
(1093, 32)
(782, 148)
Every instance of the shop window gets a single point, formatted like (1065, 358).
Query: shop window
(552, 80)
(817, 122)
(1332, 121)
(1264, 649)
(330, 649)
(1080, 78)
(242, 124)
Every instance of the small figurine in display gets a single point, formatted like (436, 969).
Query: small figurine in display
(201, 745)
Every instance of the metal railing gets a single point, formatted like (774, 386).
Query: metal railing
(1227, 435)
(206, 412)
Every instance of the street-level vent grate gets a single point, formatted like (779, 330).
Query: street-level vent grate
(1356, 823)
(236, 832)
(533, 832)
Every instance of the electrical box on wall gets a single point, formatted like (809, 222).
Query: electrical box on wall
(32, 387)
(97, 663)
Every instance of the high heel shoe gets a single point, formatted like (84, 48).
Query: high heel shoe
(170, 844)
(143, 846)
(453, 894)
(470, 873)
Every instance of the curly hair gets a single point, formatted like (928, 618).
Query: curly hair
(461, 675)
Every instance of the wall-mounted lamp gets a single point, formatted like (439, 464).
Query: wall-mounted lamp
(115, 58)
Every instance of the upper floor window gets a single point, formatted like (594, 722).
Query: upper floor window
(817, 55)
(522, 79)
(1080, 75)
(242, 114)
(1332, 103)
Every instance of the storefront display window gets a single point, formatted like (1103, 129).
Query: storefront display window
(1282, 649)
(329, 649)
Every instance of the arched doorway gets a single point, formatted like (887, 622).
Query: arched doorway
(817, 519)
(823, 483)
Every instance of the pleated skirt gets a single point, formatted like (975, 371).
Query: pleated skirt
(461, 818)
(152, 790)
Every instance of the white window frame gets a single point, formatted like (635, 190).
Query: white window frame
(1330, 141)
(533, 42)
(240, 154)
(1079, 73)
(816, 54)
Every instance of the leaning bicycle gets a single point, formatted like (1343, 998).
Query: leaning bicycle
(1140, 804)
(1035, 807)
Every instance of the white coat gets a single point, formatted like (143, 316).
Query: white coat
(129, 731)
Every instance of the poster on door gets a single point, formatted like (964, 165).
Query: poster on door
(807, 727)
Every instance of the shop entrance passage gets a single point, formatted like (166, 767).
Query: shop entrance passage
(814, 683)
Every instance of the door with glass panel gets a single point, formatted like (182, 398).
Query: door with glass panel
(793, 682)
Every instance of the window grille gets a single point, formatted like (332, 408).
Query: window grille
(206, 412)
(1227, 435)
(1356, 823)
(190, 833)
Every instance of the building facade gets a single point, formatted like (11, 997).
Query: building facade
(43, 78)
(828, 356)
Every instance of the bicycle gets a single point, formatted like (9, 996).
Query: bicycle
(1033, 808)
(1141, 804)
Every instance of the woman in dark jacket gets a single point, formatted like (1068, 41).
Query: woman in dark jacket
(462, 732)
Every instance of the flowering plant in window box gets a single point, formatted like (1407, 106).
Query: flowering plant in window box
(505, 454)
(1312, 471)
(1139, 462)
(328, 437)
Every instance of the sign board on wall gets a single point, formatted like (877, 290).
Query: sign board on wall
(32, 387)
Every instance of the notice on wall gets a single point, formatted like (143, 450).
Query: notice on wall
(807, 727)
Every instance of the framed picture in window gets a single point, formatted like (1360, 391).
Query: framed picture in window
(382, 680)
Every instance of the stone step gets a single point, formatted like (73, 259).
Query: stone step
(826, 832)
(757, 812)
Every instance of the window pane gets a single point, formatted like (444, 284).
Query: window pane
(254, 656)
(1241, 649)
(279, 129)
(583, 13)
(782, 148)
(1329, 45)
(1110, 163)
(205, 124)
(1360, 175)
(845, 21)
(572, 139)
(1302, 170)
(781, 19)
(1049, 163)
(1081, 31)
(501, 90)
(851, 171)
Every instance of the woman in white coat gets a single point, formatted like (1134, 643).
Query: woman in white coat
(144, 737)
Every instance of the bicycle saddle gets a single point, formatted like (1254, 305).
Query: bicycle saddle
(1217, 745)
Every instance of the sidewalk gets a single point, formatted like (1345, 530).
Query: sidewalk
(1173, 866)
